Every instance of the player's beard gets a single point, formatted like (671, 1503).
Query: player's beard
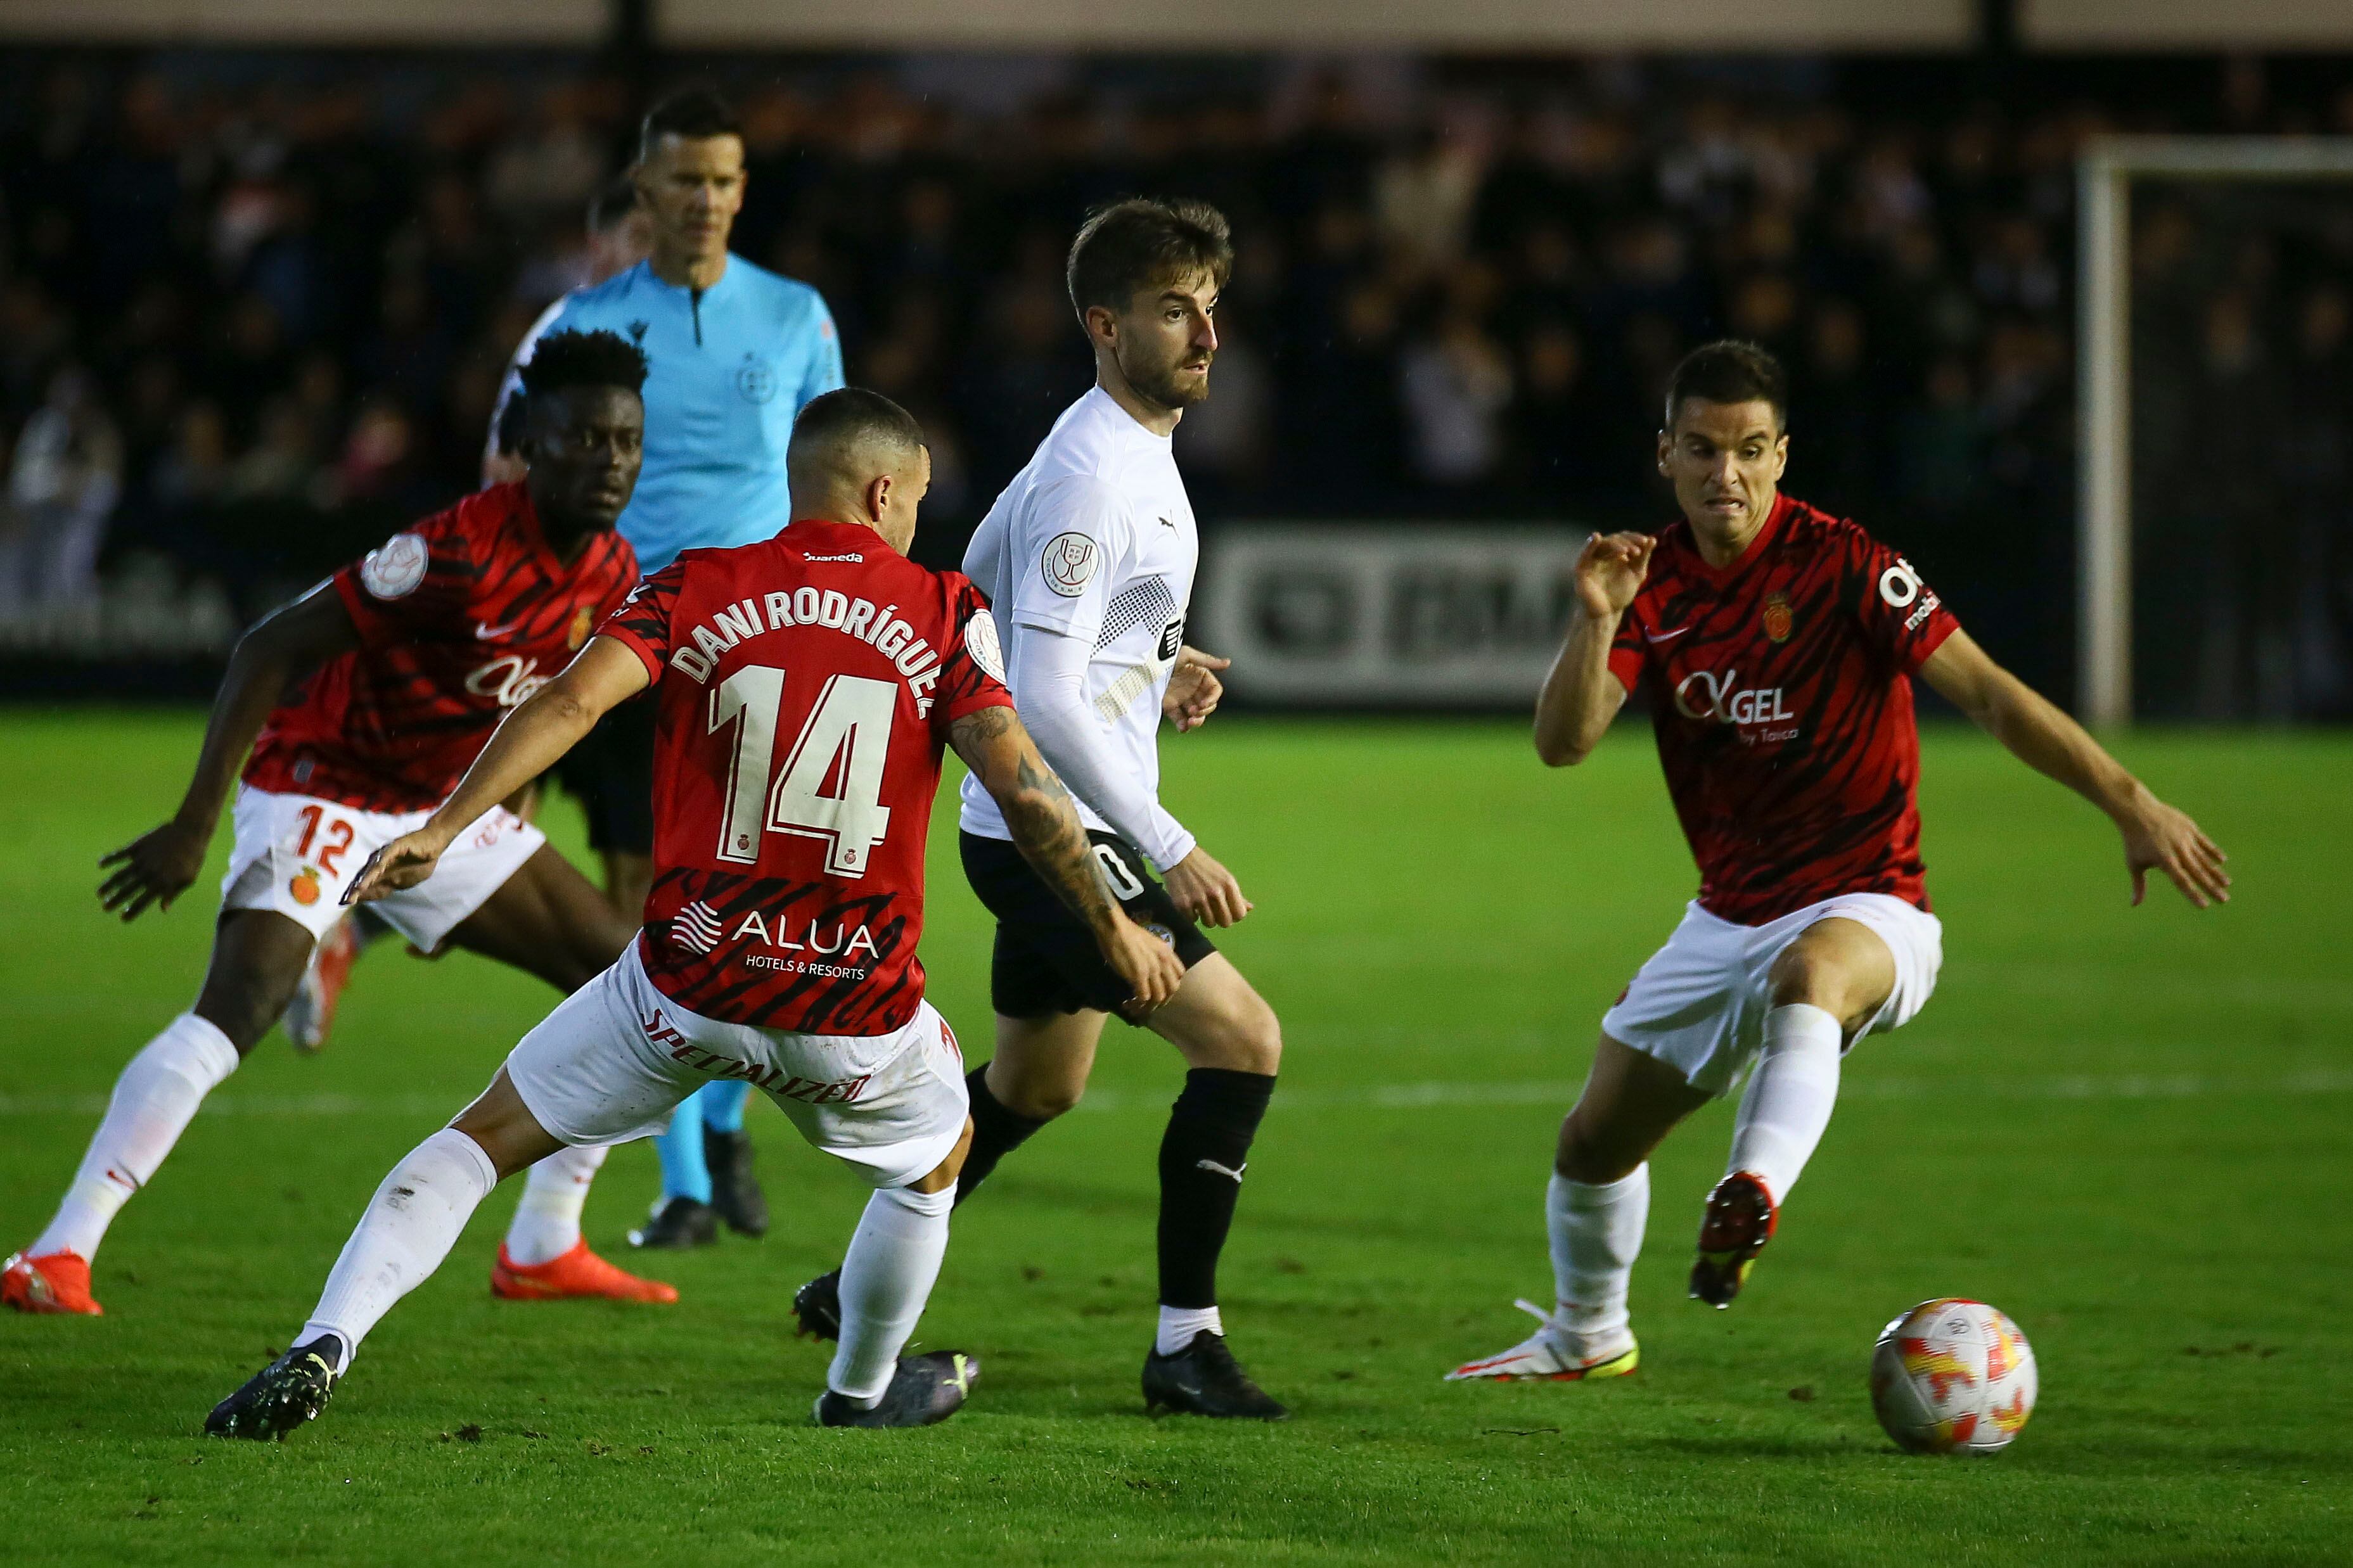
(1168, 387)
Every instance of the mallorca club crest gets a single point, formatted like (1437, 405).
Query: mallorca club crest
(1779, 620)
(584, 620)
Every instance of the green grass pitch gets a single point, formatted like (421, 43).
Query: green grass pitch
(2124, 1127)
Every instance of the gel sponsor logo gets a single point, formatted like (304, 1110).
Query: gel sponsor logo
(507, 680)
(1704, 695)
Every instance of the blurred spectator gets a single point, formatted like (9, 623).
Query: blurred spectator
(1455, 383)
(63, 481)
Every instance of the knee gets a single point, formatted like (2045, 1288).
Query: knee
(1041, 1102)
(1250, 1040)
(1802, 974)
(1588, 1155)
(244, 1014)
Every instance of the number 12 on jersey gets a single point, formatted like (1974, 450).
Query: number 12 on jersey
(850, 726)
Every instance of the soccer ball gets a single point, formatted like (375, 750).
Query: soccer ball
(1952, 1376)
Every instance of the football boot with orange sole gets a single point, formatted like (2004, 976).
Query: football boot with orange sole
(578, 1273)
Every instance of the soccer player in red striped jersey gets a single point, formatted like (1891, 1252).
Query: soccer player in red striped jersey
(416, 652)
(805, 688)
(1778, 644)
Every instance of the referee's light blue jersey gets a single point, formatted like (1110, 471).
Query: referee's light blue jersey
(731, 367)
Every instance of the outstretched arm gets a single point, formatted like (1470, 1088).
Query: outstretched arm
(2155, 834)
(158, 866)
(528, 742)
(1580, 697)
(1047, 830)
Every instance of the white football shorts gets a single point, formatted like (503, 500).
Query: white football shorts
(1699, 1004)
(295, 854)
(615, 1056)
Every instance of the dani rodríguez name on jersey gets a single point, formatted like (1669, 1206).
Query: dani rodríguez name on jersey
(917, 662)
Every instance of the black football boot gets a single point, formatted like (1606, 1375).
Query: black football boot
(1204, 1379)
(923, 1389)
(677, 1225)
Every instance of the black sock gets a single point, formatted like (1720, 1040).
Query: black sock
(1201, 1160)
(995, 1132)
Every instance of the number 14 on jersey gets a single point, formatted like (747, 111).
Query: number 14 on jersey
(850, 726)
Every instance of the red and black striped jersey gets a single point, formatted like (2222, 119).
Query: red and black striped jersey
(460, 618)
(1781, 698)
(804, 688)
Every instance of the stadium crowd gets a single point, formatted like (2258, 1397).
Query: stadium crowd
(246, 325)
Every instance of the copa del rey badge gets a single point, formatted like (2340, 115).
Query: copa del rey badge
(395, 567)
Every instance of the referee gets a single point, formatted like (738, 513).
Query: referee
(735, 351)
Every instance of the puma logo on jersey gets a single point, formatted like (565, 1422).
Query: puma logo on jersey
(1211, 1165)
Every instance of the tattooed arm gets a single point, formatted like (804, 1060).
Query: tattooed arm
(1047, 830)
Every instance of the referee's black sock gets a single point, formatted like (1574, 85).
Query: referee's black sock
(995, 1132)
(1202, 1157)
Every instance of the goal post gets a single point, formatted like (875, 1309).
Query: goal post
(2104, 176)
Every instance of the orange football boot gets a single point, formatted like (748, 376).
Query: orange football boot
(578, 1272)
(56, 1282)
(310, 1012)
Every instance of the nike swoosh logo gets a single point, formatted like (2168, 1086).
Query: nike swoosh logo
(1220, 1170)
(1663, 636)
(488, 632)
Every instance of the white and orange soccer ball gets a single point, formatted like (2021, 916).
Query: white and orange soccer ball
(1952, 1376)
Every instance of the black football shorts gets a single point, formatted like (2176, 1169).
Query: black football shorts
(1046, 960)
(611, 773)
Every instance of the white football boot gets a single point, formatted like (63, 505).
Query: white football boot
(1556, 1354)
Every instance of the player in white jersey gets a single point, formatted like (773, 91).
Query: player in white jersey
(1088, 560)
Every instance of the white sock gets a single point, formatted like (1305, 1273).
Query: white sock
(1789, 1098)
(1179, 1324)
(546, 1222)
(409, 1227)
(886, 1278)
(153, 1098)
(1595, 1233)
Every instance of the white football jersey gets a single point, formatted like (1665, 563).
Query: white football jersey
(1094, 540)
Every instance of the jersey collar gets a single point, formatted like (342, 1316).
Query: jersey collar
(1720, 576)
(523, 518)
(654, 279)
(1127, 424)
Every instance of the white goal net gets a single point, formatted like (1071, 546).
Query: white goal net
(2216, 369)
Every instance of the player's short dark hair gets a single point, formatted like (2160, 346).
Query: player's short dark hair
(569, 358)
(1132, 245)
(614, 201)
(837, 423)
(1730, 370)
(695, 114)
